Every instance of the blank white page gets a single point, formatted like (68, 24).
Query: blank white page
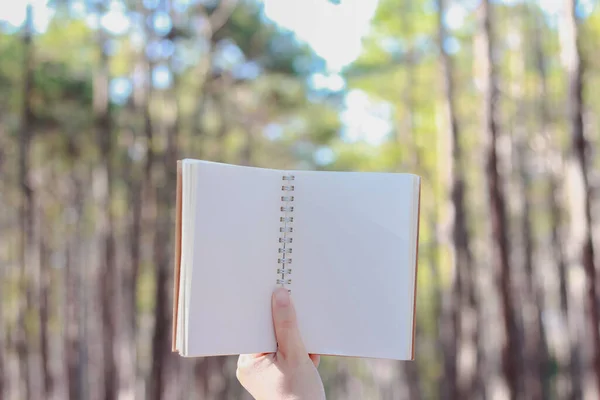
(235, 255)
(354, 254)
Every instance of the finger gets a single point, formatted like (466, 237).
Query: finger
(289, 343)
(315, 358)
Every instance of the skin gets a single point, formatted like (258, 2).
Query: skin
(290, 373)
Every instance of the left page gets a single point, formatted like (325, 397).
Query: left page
(231, 255)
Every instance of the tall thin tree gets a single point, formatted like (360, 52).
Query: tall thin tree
(45, 303)
(497, 202)
(410, 371)
(580, 153)
(165, 182)
(463, 294)
(535, 346)
(27, 202)
(138, 179)
(555, 171)
(3, 344)
(104, 136)
(74, 285)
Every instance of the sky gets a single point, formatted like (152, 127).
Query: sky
(334, 31)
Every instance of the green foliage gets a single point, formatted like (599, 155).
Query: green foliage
(271, 47)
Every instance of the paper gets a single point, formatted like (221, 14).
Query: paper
(353, 261)
(234, 260)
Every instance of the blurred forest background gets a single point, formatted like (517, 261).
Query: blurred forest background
(496, 104)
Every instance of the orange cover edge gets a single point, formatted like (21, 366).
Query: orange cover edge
(412, 356)
(177, 261)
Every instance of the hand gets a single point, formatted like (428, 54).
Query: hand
(289, 374)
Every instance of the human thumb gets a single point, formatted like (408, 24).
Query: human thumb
(289, 342)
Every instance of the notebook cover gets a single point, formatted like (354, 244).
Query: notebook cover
(177, 262)
(416, 270)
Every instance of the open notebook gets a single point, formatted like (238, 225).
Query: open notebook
(344, 244)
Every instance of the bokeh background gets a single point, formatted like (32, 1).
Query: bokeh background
(496, 104)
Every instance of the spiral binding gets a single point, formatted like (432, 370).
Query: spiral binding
(285, 229)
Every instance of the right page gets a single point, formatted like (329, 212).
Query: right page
(354, 262)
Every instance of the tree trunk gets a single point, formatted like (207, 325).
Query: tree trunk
(108, 296)
(555, 208)
(580, 152)
(413, 381)
(3, 346)
(535, 345)
(160, 339)
(536, 350)
(131, 278)
(23, 344)
(501, 247)
(44, 310)
(147, 200)
(574, 361)
(165, 189)
(201, 377)
(148, 128)
(148, 195)
(75, 366)
(224, 128)
(410, 371)
(197, 124)
(136, 179)
(464, 278)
